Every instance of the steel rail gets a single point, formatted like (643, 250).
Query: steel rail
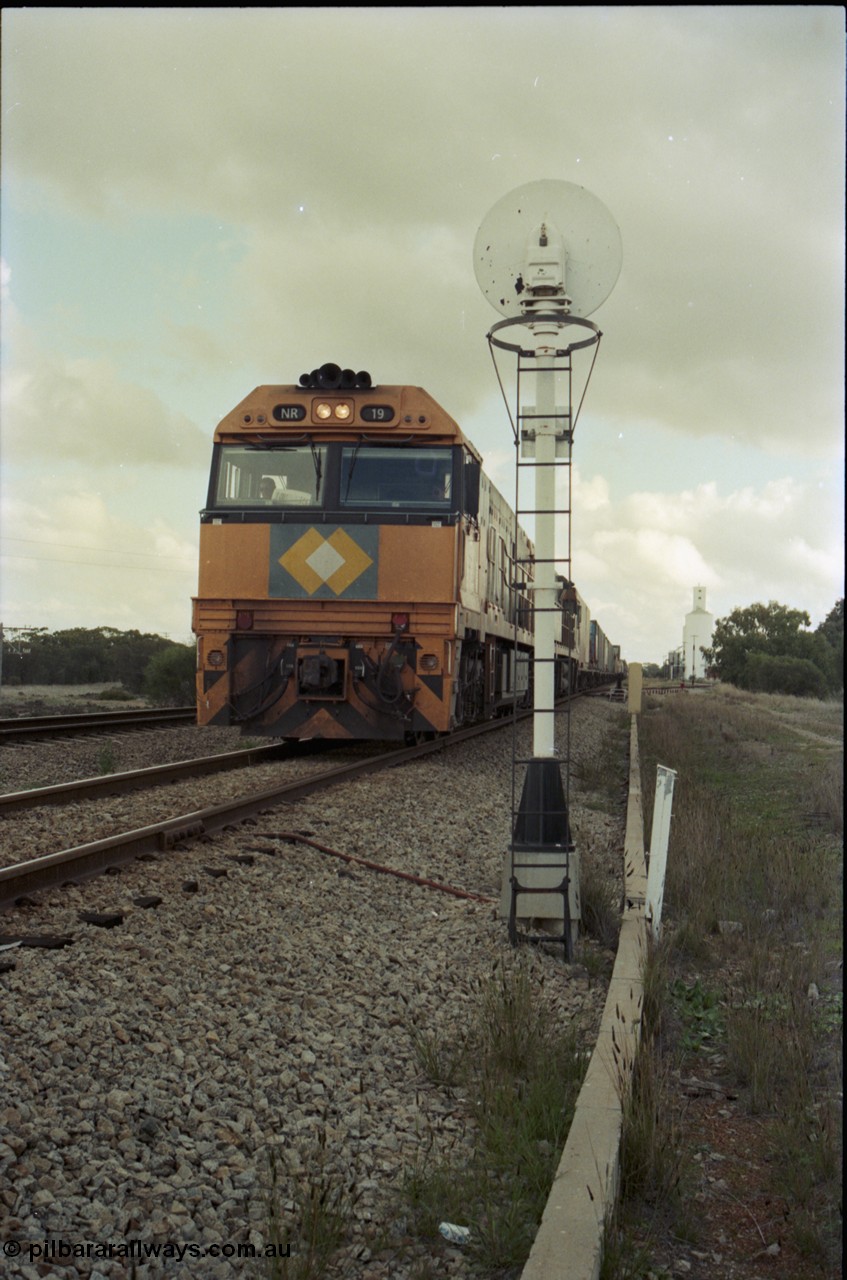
(134, 779)
(20, 728)
(84, 861)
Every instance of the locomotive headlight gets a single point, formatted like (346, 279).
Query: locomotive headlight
(341, 410)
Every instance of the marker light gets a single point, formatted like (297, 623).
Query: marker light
(244, 620)
(400, 621)
(215, 658)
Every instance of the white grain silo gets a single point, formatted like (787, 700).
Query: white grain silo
(697, 632)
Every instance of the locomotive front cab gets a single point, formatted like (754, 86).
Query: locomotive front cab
(329, 559)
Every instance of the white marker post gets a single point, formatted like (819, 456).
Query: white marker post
(659, 837)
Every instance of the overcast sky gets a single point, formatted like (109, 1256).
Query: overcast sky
(197, 201)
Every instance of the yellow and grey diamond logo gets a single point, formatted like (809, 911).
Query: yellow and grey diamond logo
(315, 561)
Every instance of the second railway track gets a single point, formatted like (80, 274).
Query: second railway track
(137, 779)
(25, 728)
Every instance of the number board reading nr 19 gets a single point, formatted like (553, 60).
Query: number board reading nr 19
(377, 413)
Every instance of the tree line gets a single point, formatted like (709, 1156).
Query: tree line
(768, 648)
(138, 662)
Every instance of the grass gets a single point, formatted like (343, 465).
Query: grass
(743, 976)
(519, 1073)
(654, 1176)
(309, 1229)
(602, 773)
(600, 906)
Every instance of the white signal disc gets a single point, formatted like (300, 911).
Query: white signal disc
(591, 236)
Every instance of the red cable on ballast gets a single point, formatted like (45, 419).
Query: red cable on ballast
(293, 838)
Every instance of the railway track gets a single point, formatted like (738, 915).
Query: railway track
(96, 857)
(114, 784)
(25, 728)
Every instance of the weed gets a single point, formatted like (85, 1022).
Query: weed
(520, 1074)
(700, 1013)
(829, 1014)
(106, 759)
(646, 1171)
(441, 1061)
(309, 1227)
(502, 1234)
(826, 794)
(599, 910)
(434, 1189)
(599, 773)
(627, 1259)
(597, 960)
(655, 978)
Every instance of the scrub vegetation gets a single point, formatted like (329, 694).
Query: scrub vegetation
(767, 648)
(136, 662)
(732, 1133)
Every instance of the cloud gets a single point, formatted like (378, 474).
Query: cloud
(638, 560)
(56, 408)
(87, 566)
(365, 309)
(304, 128)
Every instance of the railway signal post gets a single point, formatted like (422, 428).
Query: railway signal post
(546, 256)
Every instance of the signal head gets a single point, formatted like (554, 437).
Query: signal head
(549, 239)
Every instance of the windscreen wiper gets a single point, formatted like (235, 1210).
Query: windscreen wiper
(353, 458)
(318, 461)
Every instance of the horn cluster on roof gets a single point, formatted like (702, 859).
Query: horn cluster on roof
(330, 377)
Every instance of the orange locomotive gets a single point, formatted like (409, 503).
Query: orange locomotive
(356, 568)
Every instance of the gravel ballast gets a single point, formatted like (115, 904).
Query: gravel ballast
(152, 1072)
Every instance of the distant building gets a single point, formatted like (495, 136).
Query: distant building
(696, 634)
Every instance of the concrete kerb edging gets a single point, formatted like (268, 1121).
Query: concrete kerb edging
(569, 1243)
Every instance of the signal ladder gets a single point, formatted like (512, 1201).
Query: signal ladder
(538, 892)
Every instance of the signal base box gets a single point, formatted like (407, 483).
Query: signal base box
(542, 868)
